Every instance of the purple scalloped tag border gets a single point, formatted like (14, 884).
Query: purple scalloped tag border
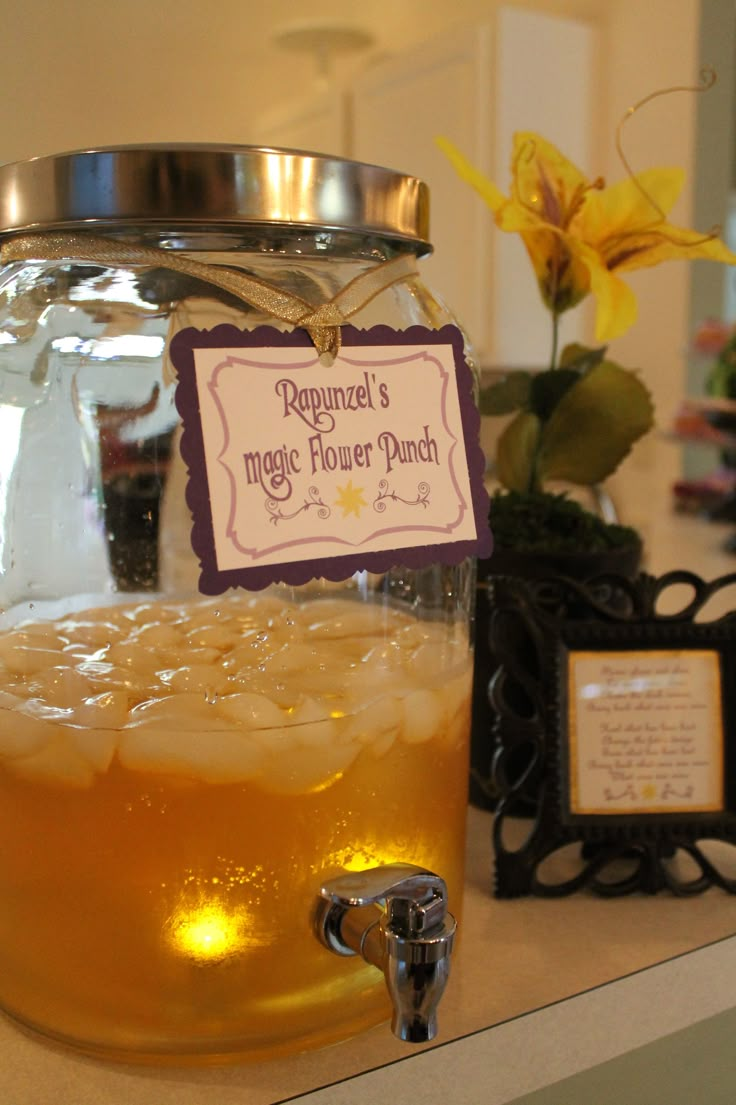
(214, 580)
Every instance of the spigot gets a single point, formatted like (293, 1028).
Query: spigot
(396, 918)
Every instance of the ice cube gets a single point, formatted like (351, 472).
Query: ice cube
(58, 762)
(216, 636)
(134, 657)
(297, 657)
(23, 660)
(159, 636)
(96, 746)
(95, 634)
(383, 743)
(306, 770)
(190, 678)
(21, 734)
(254, 711)
(65, 687)
(434, 660)
(423, 716)
(197, 655)
(216, 757)
(313, 726)
(108, 710)
(186, 712)
(369, 723)
(350, 620)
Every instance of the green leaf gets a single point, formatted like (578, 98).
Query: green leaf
(509, 394)
(547, 389)
(594, 426)
(516, 450)
(580, 357)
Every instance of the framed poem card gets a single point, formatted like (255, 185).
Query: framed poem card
(615, 734)
(644, 727)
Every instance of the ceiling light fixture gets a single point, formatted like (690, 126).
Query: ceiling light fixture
(324, 41)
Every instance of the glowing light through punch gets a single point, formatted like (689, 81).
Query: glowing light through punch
(209, 932)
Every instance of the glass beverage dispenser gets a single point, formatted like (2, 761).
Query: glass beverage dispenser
(232, 744)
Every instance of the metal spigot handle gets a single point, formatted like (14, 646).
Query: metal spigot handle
(396, 918)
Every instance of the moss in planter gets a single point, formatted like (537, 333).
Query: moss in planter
(540, 521)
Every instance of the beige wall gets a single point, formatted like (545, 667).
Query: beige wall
(85, 72)
(78, 73)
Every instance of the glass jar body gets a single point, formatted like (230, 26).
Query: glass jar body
(180, 774)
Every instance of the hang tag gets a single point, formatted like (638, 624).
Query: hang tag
(300, 470)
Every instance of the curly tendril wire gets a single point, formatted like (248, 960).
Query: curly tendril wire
(706, 79)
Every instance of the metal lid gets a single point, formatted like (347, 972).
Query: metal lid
(195, 185)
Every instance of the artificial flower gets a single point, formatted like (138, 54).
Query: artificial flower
(719, 339)
(580, 234)
(712, 335)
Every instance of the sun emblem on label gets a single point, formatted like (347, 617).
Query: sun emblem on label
(350, 499)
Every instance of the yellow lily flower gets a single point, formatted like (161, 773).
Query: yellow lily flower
(579, 235)
(625, 227)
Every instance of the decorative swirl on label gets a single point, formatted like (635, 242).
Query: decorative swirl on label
(668, 791)
(273, 506)
(385, 494)
(627, 792)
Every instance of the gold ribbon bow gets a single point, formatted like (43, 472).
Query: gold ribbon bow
(322, 321)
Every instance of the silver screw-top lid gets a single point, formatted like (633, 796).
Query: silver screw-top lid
(205, 186)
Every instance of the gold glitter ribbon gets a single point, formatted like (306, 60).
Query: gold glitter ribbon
(322, 321)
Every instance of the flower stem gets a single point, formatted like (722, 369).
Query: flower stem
(555, 338)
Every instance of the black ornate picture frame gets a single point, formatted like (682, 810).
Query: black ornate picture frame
(550, 838)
